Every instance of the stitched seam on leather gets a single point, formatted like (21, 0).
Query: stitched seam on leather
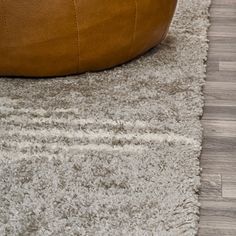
(76, 7)
(135, 27)
(163, 35)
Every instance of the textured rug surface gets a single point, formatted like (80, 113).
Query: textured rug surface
(109, 153)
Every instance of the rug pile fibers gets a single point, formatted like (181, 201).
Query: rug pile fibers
(110, 153)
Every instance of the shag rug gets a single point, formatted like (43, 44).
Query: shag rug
(110, 153)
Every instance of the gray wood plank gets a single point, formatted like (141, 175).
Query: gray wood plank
(229, 185)
(217, 109)
(220, 39)
(211, 186)
(213, 145)
(218, 56)
(219, 128)
(223, 47)
(221, 76)
(214, 112)
(223, 2)
(217, 218)
(204, 231)
(220, 90)
(218, 163)
(227, 66)
(223, 12)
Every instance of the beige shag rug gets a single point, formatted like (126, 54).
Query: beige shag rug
(111, 153)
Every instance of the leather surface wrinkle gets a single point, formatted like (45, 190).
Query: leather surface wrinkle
(75, 2)
(135, 26)
(61, 37)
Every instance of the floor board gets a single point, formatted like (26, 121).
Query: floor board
(218, 159)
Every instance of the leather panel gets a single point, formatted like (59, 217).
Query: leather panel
(105, 32)
(39, 38)
(153, 19)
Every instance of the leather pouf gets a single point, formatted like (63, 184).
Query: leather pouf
(62, 37)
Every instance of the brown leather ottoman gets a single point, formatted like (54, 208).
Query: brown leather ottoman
(62, 37)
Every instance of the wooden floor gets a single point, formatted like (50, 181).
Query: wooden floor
(218, 160)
